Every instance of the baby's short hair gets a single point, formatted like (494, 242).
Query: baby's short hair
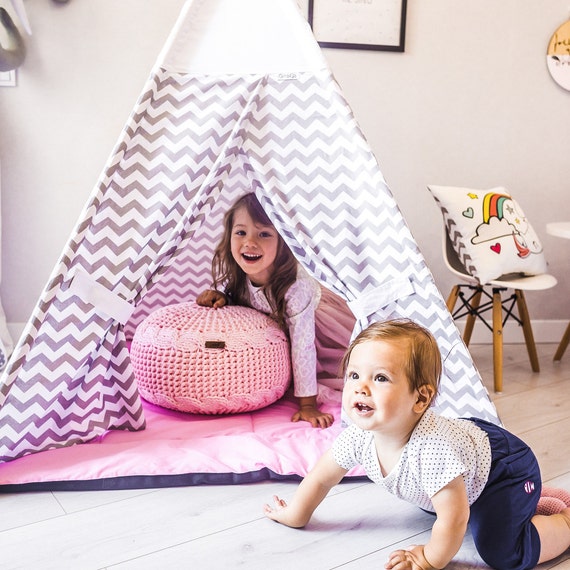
(423, 365)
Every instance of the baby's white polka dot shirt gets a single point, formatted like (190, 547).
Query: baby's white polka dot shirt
(439, 450)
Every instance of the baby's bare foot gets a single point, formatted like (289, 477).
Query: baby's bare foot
(566, 514)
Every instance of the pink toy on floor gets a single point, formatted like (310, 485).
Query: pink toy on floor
(210, 361)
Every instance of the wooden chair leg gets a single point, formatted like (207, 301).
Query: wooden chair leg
(470, 322)
(452, 299)
(527, 330)
(563, 344)
(497, 341)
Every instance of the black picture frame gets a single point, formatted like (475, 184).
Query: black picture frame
(347, 24)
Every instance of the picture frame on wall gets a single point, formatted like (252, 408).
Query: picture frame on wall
(359, 24)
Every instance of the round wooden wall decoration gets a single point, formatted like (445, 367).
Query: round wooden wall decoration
(558, 56)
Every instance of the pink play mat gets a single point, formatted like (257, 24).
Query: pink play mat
(178, 448)
(181, 448)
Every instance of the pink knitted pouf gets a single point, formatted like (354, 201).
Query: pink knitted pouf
(210, 361)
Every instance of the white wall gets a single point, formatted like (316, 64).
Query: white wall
(469, 103)
(86, 65)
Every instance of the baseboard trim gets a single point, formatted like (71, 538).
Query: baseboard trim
(545, 331)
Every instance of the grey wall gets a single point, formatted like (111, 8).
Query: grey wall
(469, 103)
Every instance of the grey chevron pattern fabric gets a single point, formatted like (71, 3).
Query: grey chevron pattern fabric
(193, 144)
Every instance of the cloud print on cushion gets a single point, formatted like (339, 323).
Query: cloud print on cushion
(489, 232)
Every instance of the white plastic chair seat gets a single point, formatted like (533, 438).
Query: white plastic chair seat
(500, 307)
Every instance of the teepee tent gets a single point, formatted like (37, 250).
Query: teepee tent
(240, 99)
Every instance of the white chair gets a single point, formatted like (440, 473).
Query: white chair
(470, 293)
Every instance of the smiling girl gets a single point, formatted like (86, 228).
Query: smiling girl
(253, 267)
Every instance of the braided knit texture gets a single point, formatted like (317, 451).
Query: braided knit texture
(210, 361)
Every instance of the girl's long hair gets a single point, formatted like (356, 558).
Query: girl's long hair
(229, 276)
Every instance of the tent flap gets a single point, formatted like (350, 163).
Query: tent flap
(204, 131)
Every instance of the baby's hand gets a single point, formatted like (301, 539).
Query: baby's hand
(274, 512)
(412, 559)
(280, 512)
(211, 298)
(314, 416)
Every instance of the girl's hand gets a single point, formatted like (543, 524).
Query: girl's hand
(412, 559)
(309, 412)
(314, 416)
(211, 298)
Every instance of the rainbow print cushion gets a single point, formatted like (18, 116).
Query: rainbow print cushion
(489, 232)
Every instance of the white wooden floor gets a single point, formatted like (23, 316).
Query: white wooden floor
(223, 527)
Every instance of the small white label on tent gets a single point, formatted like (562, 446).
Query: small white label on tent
(105, 302)
(287, 76)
